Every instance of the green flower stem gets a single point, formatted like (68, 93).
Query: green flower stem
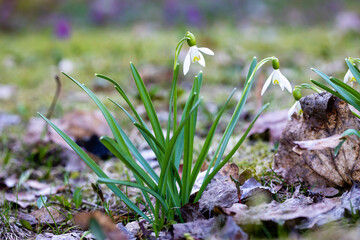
(175, 108)
(231, 126)
(172, 103)
(309, 86)
(176, 73)
(178, 48)
(216, 169)
(355, 114)
(173, 92)
(353, 60)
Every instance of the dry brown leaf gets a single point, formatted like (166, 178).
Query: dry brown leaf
(221, 227)
(8, 119)
(230, 169)
(11, 181)
(43, 215)
(226, 228)
(36, 184)
(326, 192)
(324, 116)
(270, 125)
(7, 91)
(253, 193)
(292, 212)
(190, 212)
(110, 229)
(77, 124)
(199, 229)
(65, 236)
(318, 144)
(24, 199)
(221, 191)
(154, 74)
(43, 189)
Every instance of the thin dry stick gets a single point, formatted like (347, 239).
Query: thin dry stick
(53, 104)
(56, 97)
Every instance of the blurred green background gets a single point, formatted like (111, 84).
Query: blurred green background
(40, 38)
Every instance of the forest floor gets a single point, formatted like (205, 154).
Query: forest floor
(46, 188)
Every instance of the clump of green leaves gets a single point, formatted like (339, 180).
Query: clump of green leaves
(344, 91)
(171, 149)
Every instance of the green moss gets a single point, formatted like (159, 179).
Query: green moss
(255, 156)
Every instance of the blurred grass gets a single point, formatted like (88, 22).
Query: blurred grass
(29, 59)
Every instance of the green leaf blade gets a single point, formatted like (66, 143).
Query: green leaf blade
(96, 169)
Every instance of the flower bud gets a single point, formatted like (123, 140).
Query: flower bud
(275, 63)
(297, 93)
(351, 60)
(191, 41)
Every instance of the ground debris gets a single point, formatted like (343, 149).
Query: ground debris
(66, 236)
(198, 229)
(318, 144)
(220, 227)
(110, 229)
(23, 199)
(298, 213)
(292, 213)
(7, 91)
(324, 116)
(269, 126)
(190, 212)
(226, 228)
(221, 191)
(13, 231)
(253, 193)
(83, 127)
(48, 215)
(8, 119)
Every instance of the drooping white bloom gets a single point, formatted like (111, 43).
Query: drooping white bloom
(194, 55)
(66, 65)
(349, 77)
(276, 77)
(296, 108)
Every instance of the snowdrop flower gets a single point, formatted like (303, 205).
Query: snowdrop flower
(194, 53)
(66, 65)
(296, 108)
(276, 77)
(349, 77)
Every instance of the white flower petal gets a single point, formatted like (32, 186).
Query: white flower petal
(347, 76)
(206, 51)
(186, 66)
(276, 79)
(194, 54)
(283, 82)
(286, 83)
(291, 111)
(296, 108)
(267, 83)
(201, 60)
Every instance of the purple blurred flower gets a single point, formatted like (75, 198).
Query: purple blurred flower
(171, 12)
(102, 11)
(193, 16)
(62, 29)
